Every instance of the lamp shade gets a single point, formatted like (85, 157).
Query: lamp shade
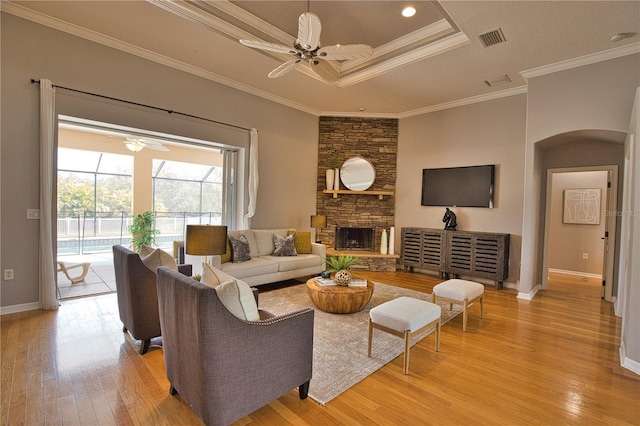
(205, 240)
(318, 221)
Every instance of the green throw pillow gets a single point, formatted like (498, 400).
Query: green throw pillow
(302, 241)
(226, 257)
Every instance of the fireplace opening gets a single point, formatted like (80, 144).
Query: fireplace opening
(355, 238)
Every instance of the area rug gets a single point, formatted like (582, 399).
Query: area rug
(340, 340)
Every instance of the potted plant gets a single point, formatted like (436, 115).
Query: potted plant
(143, 231)
(340, 265)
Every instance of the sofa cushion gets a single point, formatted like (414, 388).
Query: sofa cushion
(238, 298)
(264, 240)
(153, 258)
(241, 251)
(213, 276)
(302, 241)
(256, 266)
(284, 246)
(290, 263)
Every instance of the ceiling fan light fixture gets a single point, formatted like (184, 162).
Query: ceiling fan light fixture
(135, 147)
(408, 11)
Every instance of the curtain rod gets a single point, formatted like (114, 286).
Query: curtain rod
(168, 111)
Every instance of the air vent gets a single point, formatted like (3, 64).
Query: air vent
(496, 81)
(492, 37)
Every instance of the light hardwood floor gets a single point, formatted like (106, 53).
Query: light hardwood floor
(552, 360)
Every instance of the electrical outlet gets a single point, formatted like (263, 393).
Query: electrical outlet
(585, 256)
(33, 214)
(8, 274)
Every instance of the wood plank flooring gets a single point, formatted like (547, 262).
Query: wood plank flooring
(553, 360)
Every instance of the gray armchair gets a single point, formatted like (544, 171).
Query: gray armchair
(223, 367)
(138, 296)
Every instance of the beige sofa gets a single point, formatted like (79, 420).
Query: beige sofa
(263, 267)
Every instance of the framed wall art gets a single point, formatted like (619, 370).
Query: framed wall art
(582, 206)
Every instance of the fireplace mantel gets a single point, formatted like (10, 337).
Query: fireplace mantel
(380, 194)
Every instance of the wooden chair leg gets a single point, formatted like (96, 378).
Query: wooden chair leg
(465, 314)
(303, 390)
(370, 337)
(438, 328)
(481, 305)
(144, 346)
(407, 348)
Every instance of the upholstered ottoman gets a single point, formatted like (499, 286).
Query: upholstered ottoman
(404, 317)
(461, 292)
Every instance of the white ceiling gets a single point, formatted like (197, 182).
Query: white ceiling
(425, 63)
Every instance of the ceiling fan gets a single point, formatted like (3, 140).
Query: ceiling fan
(138, 144)
(307, 50)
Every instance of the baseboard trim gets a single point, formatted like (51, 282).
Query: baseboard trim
(531, 294)
(4, 310)
(576, 273)
(627, 363)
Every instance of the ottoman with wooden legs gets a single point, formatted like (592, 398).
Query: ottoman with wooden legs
(461, 292)
(404, 317)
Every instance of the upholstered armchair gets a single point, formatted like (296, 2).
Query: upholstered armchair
(225, 367)
(138, 296)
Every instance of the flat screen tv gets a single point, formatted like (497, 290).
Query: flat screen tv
(458, 186)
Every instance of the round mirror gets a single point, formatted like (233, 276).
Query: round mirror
(357, 174)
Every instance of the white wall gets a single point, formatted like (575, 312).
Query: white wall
(288, 138)
(487, 133)
(569, 241)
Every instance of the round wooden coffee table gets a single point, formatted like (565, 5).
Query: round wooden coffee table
(337, 299)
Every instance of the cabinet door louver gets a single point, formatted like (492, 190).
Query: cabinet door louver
(460, 253)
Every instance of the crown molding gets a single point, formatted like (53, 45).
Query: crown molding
(57, 24)
(466, 101)
(605, 55)
(430, 50)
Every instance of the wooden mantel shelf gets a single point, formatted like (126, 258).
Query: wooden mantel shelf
(335, 192)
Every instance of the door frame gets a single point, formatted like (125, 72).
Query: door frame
(610, 225)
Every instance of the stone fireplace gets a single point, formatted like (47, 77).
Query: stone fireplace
(351, 238)
(375, 139)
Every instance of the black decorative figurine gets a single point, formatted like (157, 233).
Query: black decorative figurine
(449, 219)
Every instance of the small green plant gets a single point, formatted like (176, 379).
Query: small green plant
(143, 231)
(197, 277)
(340, 263)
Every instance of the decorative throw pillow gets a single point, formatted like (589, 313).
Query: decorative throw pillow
(226, 257)
(284, 245)
(302, 241)
(156, 257)
(240, 250)
(238, 298)
(212, 276)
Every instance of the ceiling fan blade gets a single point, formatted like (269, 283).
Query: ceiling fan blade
(324, 69)
(155, 147)
(309, 28)
(273, 47)
(348, 51)
(284, 68)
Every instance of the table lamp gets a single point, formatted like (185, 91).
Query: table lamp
(318, 221)
(205, 240)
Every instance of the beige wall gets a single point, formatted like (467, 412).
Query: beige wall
(288, 138)
(487, 133)
(592, 99)
(568, 241)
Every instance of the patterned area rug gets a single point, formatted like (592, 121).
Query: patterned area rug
(340, 340)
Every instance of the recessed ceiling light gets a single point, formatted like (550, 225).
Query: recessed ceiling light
(362, 109)
(408, 11)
